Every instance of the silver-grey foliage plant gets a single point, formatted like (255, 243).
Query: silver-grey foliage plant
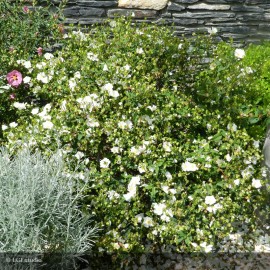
(39, 206)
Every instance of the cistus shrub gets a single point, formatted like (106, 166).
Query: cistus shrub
(169, 170)
(27, 28)
(40, 207)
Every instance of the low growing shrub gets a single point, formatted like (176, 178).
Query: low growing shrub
(170, 171)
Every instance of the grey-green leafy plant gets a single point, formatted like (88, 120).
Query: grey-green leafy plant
(40, 206)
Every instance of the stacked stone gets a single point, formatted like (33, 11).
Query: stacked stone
(242, 20)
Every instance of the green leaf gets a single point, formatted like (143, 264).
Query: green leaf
(253, 120)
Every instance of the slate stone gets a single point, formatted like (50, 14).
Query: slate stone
(244, 8)
(136, 13)
(72, 11)
(175, 7)
(86, 12)
(204, 15)
(98, 4)
(186, 1)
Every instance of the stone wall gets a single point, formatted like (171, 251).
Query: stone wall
(243, 20)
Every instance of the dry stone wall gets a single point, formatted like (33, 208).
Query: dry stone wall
(242, 20)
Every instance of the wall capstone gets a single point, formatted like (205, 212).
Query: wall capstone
(143, 4)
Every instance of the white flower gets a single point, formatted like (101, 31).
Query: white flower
(159, 208)
(19, 106)
(43, 77)
(137, 151)
(148, 119)
(142, 168)
(139, 217)
(210, 200)
(48, 56)
(116, 245)
(239, 53)
(232, 127)
(105, 68)
(236, 182)
(63, 105)
(47, 125)
(4, 127)
(79, 155)
(212, 30)
(105, 163)
(249, 70)
(139, 50)
(80, 35)
(172, 190)
(91, 122)
(125, 124)
(189, 167)
(6, 87)
(107, 87)
(90, 101)
(168, 176)
(115, 150)
(72, 83)
(35, 111)
(77, 75)
(40, 65)
(113, 194)
(228, 157)
(133, 183)
(47, 107)
(165, 189)
(256, 183)
(167, 146)
(180, 46)
(165, 218)
(256, 144)
(112, 24)
(93, 57)
(129, 196)
(113, 93)
(129, 124)
(206, 248)
(126, 246)
(13, 124)
(122, 124)
(214, 208)
(27, 64)
(152, 108)
(148, 222)
(26, 79)
(127, 67)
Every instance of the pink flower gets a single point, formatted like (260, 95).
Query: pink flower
(25, 9)
(14, 78)
(12, 96)
(39, 51)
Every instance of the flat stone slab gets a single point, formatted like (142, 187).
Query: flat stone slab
(143, 4)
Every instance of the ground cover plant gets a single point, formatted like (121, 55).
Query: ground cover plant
(168, 130)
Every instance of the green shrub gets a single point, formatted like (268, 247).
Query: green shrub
(40, 206)
(168, 168)
(238, 85)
